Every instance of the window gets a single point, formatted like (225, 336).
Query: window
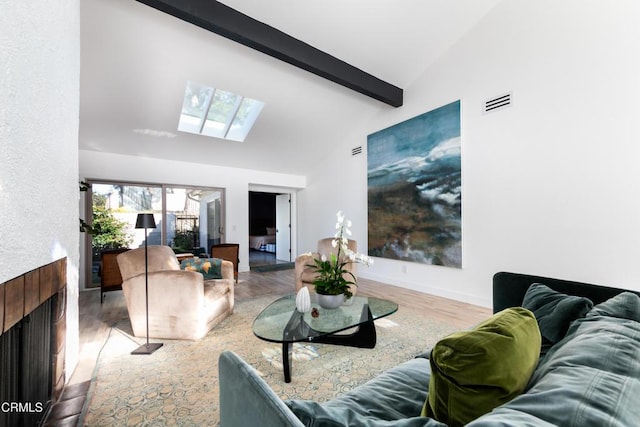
(188, 219)
(217, 113)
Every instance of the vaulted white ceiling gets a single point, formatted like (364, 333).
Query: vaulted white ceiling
(135, 62)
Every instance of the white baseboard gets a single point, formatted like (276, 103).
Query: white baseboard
(430, 289)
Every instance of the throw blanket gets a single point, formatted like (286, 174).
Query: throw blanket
(210, 268)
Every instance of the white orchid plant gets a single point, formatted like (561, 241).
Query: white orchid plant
(333, 278)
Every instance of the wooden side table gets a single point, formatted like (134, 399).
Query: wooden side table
(184, 256)
(110, 277)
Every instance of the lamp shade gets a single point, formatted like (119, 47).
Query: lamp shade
(145, 220)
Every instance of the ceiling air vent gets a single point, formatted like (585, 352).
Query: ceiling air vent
(356, 151)
(497, 103)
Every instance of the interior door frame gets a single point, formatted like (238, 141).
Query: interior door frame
(294, 211)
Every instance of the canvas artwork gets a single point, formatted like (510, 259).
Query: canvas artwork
(414, 189)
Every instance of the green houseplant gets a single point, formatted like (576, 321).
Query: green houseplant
(332, 276)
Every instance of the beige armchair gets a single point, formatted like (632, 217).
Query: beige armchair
(182, 305)
(305, 275)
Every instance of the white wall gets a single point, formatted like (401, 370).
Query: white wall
(39, 104)
(337, 184)
(551, 184)
(236, 182)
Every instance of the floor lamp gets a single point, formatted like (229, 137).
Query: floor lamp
(146, 221)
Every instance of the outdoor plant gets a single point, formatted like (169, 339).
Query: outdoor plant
(184, 240)
(108, 231)
(332, 276)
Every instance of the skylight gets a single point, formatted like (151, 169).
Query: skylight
(217, 113)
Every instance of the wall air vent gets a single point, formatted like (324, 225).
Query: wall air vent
(356, 151)
(498, 103)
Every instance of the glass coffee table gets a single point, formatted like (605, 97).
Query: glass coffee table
(281, 323)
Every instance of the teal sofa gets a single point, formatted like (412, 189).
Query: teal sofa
(588, 373)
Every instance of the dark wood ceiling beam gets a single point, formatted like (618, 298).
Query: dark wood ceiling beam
(227, 22)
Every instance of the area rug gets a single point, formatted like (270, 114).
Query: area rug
(178, 384)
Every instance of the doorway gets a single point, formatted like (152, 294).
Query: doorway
(269, 230)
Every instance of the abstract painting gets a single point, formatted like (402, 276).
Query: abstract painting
(414, 189)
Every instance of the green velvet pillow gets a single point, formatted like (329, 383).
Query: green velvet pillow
(554, 311)
(474, 371)
(210, 268)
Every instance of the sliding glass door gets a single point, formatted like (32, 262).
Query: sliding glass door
(189, 219)
(193, 218)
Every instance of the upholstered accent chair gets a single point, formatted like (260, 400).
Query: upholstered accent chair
(182, 305)
(305, 275)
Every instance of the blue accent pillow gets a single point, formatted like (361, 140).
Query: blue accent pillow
(625, 305)
(554, 311)
(210, 268)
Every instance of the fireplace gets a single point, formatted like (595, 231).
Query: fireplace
(32, 343)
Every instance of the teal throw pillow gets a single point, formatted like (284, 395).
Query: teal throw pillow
(210, 268)
(476, 370)
(625, 305)
(554, 311)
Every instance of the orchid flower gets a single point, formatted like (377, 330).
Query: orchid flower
(333, 278)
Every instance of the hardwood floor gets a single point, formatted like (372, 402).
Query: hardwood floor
(96, 319)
